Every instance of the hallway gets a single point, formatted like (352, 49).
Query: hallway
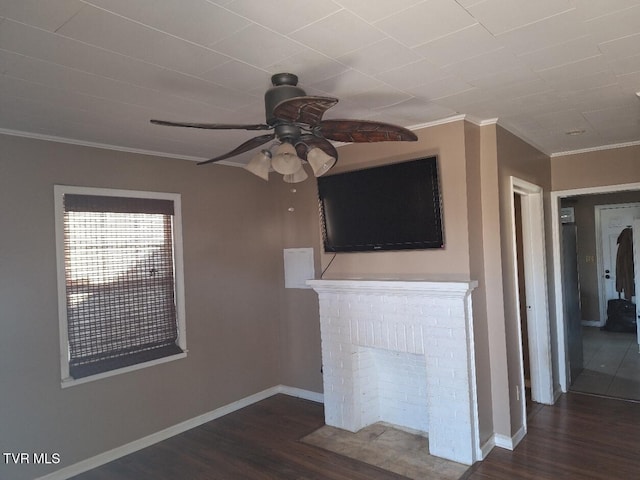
(611, 364)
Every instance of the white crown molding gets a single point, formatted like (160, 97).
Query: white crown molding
(492, 121)
(103, 146)
(481, 123)
(444, 121)
(568, 152)
(455, 118)
(595, 149)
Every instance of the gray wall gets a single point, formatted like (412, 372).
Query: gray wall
(598, 168)
(300, 355)
(233, 239)
(521, 160)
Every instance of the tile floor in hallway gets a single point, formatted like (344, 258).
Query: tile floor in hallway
(611, 364)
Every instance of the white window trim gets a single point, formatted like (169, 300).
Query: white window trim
(59, 192)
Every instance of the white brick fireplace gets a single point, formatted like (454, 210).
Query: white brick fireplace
(401, 352)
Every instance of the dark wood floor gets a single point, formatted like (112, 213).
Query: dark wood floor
(258, 442)
(581, 437)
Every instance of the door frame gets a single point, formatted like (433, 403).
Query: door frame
(561, 329)
(602, 294)
(535, 273)
(636, 265)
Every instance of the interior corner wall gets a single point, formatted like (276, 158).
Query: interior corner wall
(300, 353)
(233, 281)
(478, 269)
(451, 262)
(519, 159)
(491, 276)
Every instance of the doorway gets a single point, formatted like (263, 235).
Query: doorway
(611, 220)
(522, 301)
(531, 291)
(591, 268)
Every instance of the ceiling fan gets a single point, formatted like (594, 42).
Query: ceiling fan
(299, 132)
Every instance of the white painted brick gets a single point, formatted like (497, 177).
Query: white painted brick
(449, 344)
(377, 334)
(401, 333)
(426, 389)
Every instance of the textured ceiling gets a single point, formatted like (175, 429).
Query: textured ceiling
(95, 72)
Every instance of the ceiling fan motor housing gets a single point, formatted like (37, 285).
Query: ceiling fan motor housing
(284, 88)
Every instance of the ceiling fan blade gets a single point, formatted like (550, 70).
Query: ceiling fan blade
(245, 147)
(213, 126)
(307, 142)
(307, 109)
(360, 131)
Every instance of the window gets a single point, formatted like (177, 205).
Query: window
(120, 280)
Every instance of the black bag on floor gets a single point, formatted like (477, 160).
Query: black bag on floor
(621, 316)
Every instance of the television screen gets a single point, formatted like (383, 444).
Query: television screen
(392, 207)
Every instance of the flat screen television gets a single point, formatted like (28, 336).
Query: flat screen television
(392, 207)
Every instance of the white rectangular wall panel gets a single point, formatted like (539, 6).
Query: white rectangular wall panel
(298, 267)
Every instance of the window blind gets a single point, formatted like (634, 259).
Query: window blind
(119, 273)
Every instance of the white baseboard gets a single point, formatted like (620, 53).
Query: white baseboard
(502, 441)
(486, 448)
(592, 323)
(300, 393)
(517, 438)
(509, 443)
(556, 394)
(118, 452)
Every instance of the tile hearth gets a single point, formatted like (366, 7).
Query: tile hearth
(389, 448)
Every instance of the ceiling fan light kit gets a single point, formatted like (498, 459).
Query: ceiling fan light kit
(300, 132)
(320, 162)
(260, 164)
(297, 177)
(286, 160)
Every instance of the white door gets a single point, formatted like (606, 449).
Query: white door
(537, 311)
(613, 219)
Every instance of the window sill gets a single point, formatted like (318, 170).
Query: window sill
(71, 382)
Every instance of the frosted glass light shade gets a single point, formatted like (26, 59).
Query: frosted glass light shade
(260, 164)
(297, 177)
(320, 161)
(286, 160)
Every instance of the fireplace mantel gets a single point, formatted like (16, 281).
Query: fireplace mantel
(402, 286)
(424, 330)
